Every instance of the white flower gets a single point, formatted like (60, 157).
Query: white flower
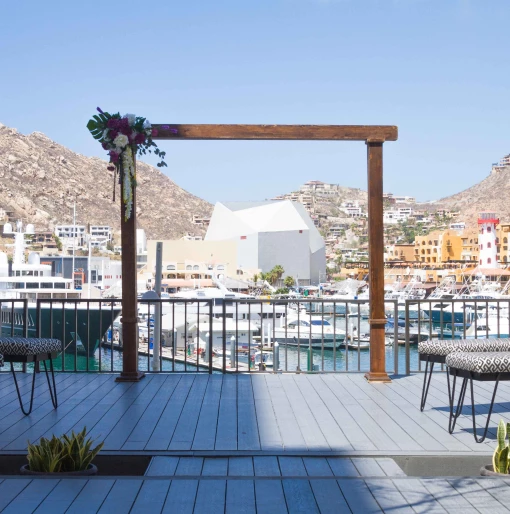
(121, 141)
(131, 118)
(105, 133)
(148, 132)
(147, 124)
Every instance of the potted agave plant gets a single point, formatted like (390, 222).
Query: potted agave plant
(65, 455)
(500, 458)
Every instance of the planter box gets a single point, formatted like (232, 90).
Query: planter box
(488, 471)
(90, 471)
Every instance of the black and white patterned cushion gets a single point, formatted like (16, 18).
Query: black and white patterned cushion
(28, 346)
(446, 346)
(480, 362)
(1, 360)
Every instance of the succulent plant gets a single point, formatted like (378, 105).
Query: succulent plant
(62, 454)
(500, 459)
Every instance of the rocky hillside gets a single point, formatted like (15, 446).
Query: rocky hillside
(491, 194)
(39, 180)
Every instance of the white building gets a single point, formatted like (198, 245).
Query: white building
(271, 233)
(487, 222)
(459, 225)
(67, 233)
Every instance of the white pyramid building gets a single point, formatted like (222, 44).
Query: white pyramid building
(271, 233)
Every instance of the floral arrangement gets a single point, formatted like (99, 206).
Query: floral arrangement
(124, 137)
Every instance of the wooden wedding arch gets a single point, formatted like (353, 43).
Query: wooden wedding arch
(374, 137)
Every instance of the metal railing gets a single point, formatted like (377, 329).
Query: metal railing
(315, 335)
(207, 336)
(465, 318)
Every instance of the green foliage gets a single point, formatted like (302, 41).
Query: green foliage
(58, 242)
(62, 454)
(289, 281)
(255, 278)
(282, 290)
(500, 461)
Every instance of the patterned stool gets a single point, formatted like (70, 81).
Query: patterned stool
(482, 366)
(23, 349)
(436, 350)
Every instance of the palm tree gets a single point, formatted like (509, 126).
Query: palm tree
(278, 271)
(255, 278)
(289, 281)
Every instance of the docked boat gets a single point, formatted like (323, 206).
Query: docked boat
(78, 324)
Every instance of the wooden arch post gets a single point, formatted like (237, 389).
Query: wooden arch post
(373, 135)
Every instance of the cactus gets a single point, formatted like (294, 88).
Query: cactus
(500, 459)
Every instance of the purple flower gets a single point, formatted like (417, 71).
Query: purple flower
(104, 144)
(165, 127)
(111, 168)
(114, 156)
(99, 110)
(113, 134)
(140, 139)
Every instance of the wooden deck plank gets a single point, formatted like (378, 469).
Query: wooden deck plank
(217, 466)
(317, 467)
(132, 414)
(91, 496)
(31, 496)
(189, 466)
(358, 496)
(390, 467)
(477, 496)
(240, 467)
(45, 417)
(151, 497)
(205, 434)
(121, 496)
(226, 433)
(269, 497)
(288, 425)
(417, 437)
(447, 496)
(368, 467)
(329, 497)
(11, 488)
(498, 488)
(299, 496)
(266, 466)
(388, 496)
(210, 497)
(184, 432)
(309, 426)
(142, 431)
(165, 426)
(181, 497)
(240, 497)
(247, 425)
(61, 497)
(162, 466)
(342, 467)
(331, 429)
(292, 467)
(354, 432)
(270, 438)
(418, 497)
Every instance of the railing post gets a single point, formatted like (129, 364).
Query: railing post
(377, 319)
(407, 343)
(395, 336)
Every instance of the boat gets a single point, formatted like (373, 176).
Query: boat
(78, 324)
(309, 330)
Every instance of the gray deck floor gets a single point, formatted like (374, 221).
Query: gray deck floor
(249, 495)
(253, 413)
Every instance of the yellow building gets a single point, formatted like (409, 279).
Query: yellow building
(503, 233)
(451, 246)
(400, 252)
(470, 245)
(427, 248)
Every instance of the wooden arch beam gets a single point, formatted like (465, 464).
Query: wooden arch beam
(373, 135)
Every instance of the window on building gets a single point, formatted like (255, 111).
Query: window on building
(189, 267)
(481, 247)
(489, 260)
(505, 240)
(488, 245)
(483, 231)
(489, 229)
(195, 267)
(505, 259)
(480, 261)
(220, 267)
(170, 267)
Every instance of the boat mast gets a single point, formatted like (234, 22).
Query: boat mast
(74, 241)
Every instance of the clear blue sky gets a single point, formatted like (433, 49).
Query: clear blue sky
(436, 68)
